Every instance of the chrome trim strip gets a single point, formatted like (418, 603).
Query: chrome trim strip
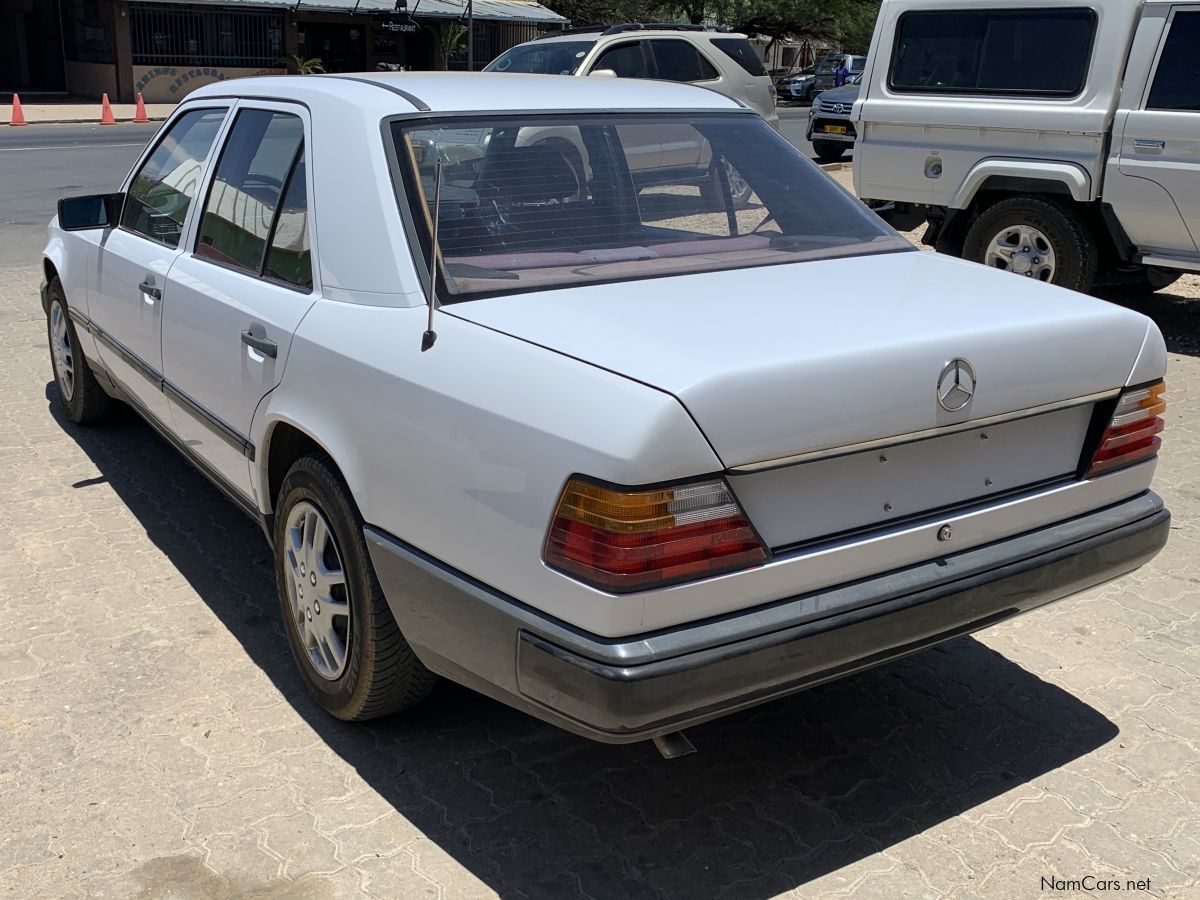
(411, 98)
(215, 424)
(914, 436)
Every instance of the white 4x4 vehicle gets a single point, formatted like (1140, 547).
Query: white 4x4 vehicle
(1057, 139)
(598, 450)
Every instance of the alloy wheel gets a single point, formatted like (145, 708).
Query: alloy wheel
(60, 347)
(317, 590)
(1022, 250)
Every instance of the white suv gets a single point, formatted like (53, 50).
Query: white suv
(718, 60)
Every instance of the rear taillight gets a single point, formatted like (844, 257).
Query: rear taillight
(624, 540)
(1132, 435)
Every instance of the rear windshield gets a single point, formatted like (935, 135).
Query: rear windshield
(549, 58)
(559, 201)
(740, 51)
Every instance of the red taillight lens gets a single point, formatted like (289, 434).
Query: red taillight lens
(1132, 435)
(624, 540)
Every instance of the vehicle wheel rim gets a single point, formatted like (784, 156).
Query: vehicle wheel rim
(737, 184)
(60, 346)
(319, 598)
(1022, 250)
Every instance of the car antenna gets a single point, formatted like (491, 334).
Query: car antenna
(430, 336)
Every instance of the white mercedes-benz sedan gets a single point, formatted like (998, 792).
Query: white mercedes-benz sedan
(627, 453)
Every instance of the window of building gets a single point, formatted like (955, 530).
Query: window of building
(1177, 81)
(244, 199)
(171, 34)
(89, 31)
(161, 193)
(680, 61)
(1032, 52)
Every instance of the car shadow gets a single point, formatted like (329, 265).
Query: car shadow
(775, 797)
(1177, 316)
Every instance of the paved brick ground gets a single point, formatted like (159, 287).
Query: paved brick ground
(154, 742)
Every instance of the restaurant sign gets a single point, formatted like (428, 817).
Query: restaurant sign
(170, 84)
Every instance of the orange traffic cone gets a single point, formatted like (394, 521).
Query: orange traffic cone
(140, 116)
(18, 114)
(106, 113)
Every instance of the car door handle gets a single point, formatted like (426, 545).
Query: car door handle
(262, 345)
(150, 290)
(1149, 145)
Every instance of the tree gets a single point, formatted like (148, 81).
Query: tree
(847, 23)
(448, 38)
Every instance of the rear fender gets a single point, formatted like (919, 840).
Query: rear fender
(1024, 176)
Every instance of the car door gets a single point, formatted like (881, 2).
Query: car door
(239, 292)
(127, 293)
(676, 60)
(1159, 199)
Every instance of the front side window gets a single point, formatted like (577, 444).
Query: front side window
(1031, 52)
(161, 193)
(561, 201)
(626, 60)
(1177, 81)
(680, 61)
(549, 58)
(262, 149)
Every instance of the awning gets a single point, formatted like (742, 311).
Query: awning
(487, 10)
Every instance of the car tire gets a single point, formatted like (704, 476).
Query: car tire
(80, 396)
(376, 673)
(1051, 224)
(829, 151)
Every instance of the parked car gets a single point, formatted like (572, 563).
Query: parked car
(830, 123)
(717, 59)
(826, 77)
(1055, 140)
(796, 86)
(604, 455)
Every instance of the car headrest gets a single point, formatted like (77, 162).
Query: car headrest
(529, 175)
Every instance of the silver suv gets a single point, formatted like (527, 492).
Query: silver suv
(719, 60)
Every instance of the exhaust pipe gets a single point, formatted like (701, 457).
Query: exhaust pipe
(674, 745)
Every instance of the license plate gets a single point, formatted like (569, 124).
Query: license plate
(835, 129)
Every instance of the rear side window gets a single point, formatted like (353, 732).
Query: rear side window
(740, 51)
(162, 191)
(680, 61)
(241, 216)
(1032, 52)
(1177, 81)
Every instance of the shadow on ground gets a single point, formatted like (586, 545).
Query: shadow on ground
(774, 798)
(1177, 316)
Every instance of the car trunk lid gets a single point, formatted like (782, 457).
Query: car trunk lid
(779, 365)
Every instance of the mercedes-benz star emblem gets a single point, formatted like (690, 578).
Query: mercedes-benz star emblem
(956, 385)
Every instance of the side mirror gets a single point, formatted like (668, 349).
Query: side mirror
(85, 213)
(603, 73)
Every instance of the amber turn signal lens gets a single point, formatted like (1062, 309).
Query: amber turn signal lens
(624, 540)
(1132, 435)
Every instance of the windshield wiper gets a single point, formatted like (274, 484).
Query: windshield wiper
(467, 270)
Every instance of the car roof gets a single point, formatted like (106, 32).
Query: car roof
(638, 33)
(394, 93)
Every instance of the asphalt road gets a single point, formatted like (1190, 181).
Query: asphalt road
(41, 163)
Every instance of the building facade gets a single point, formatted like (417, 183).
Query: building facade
(165, 49)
